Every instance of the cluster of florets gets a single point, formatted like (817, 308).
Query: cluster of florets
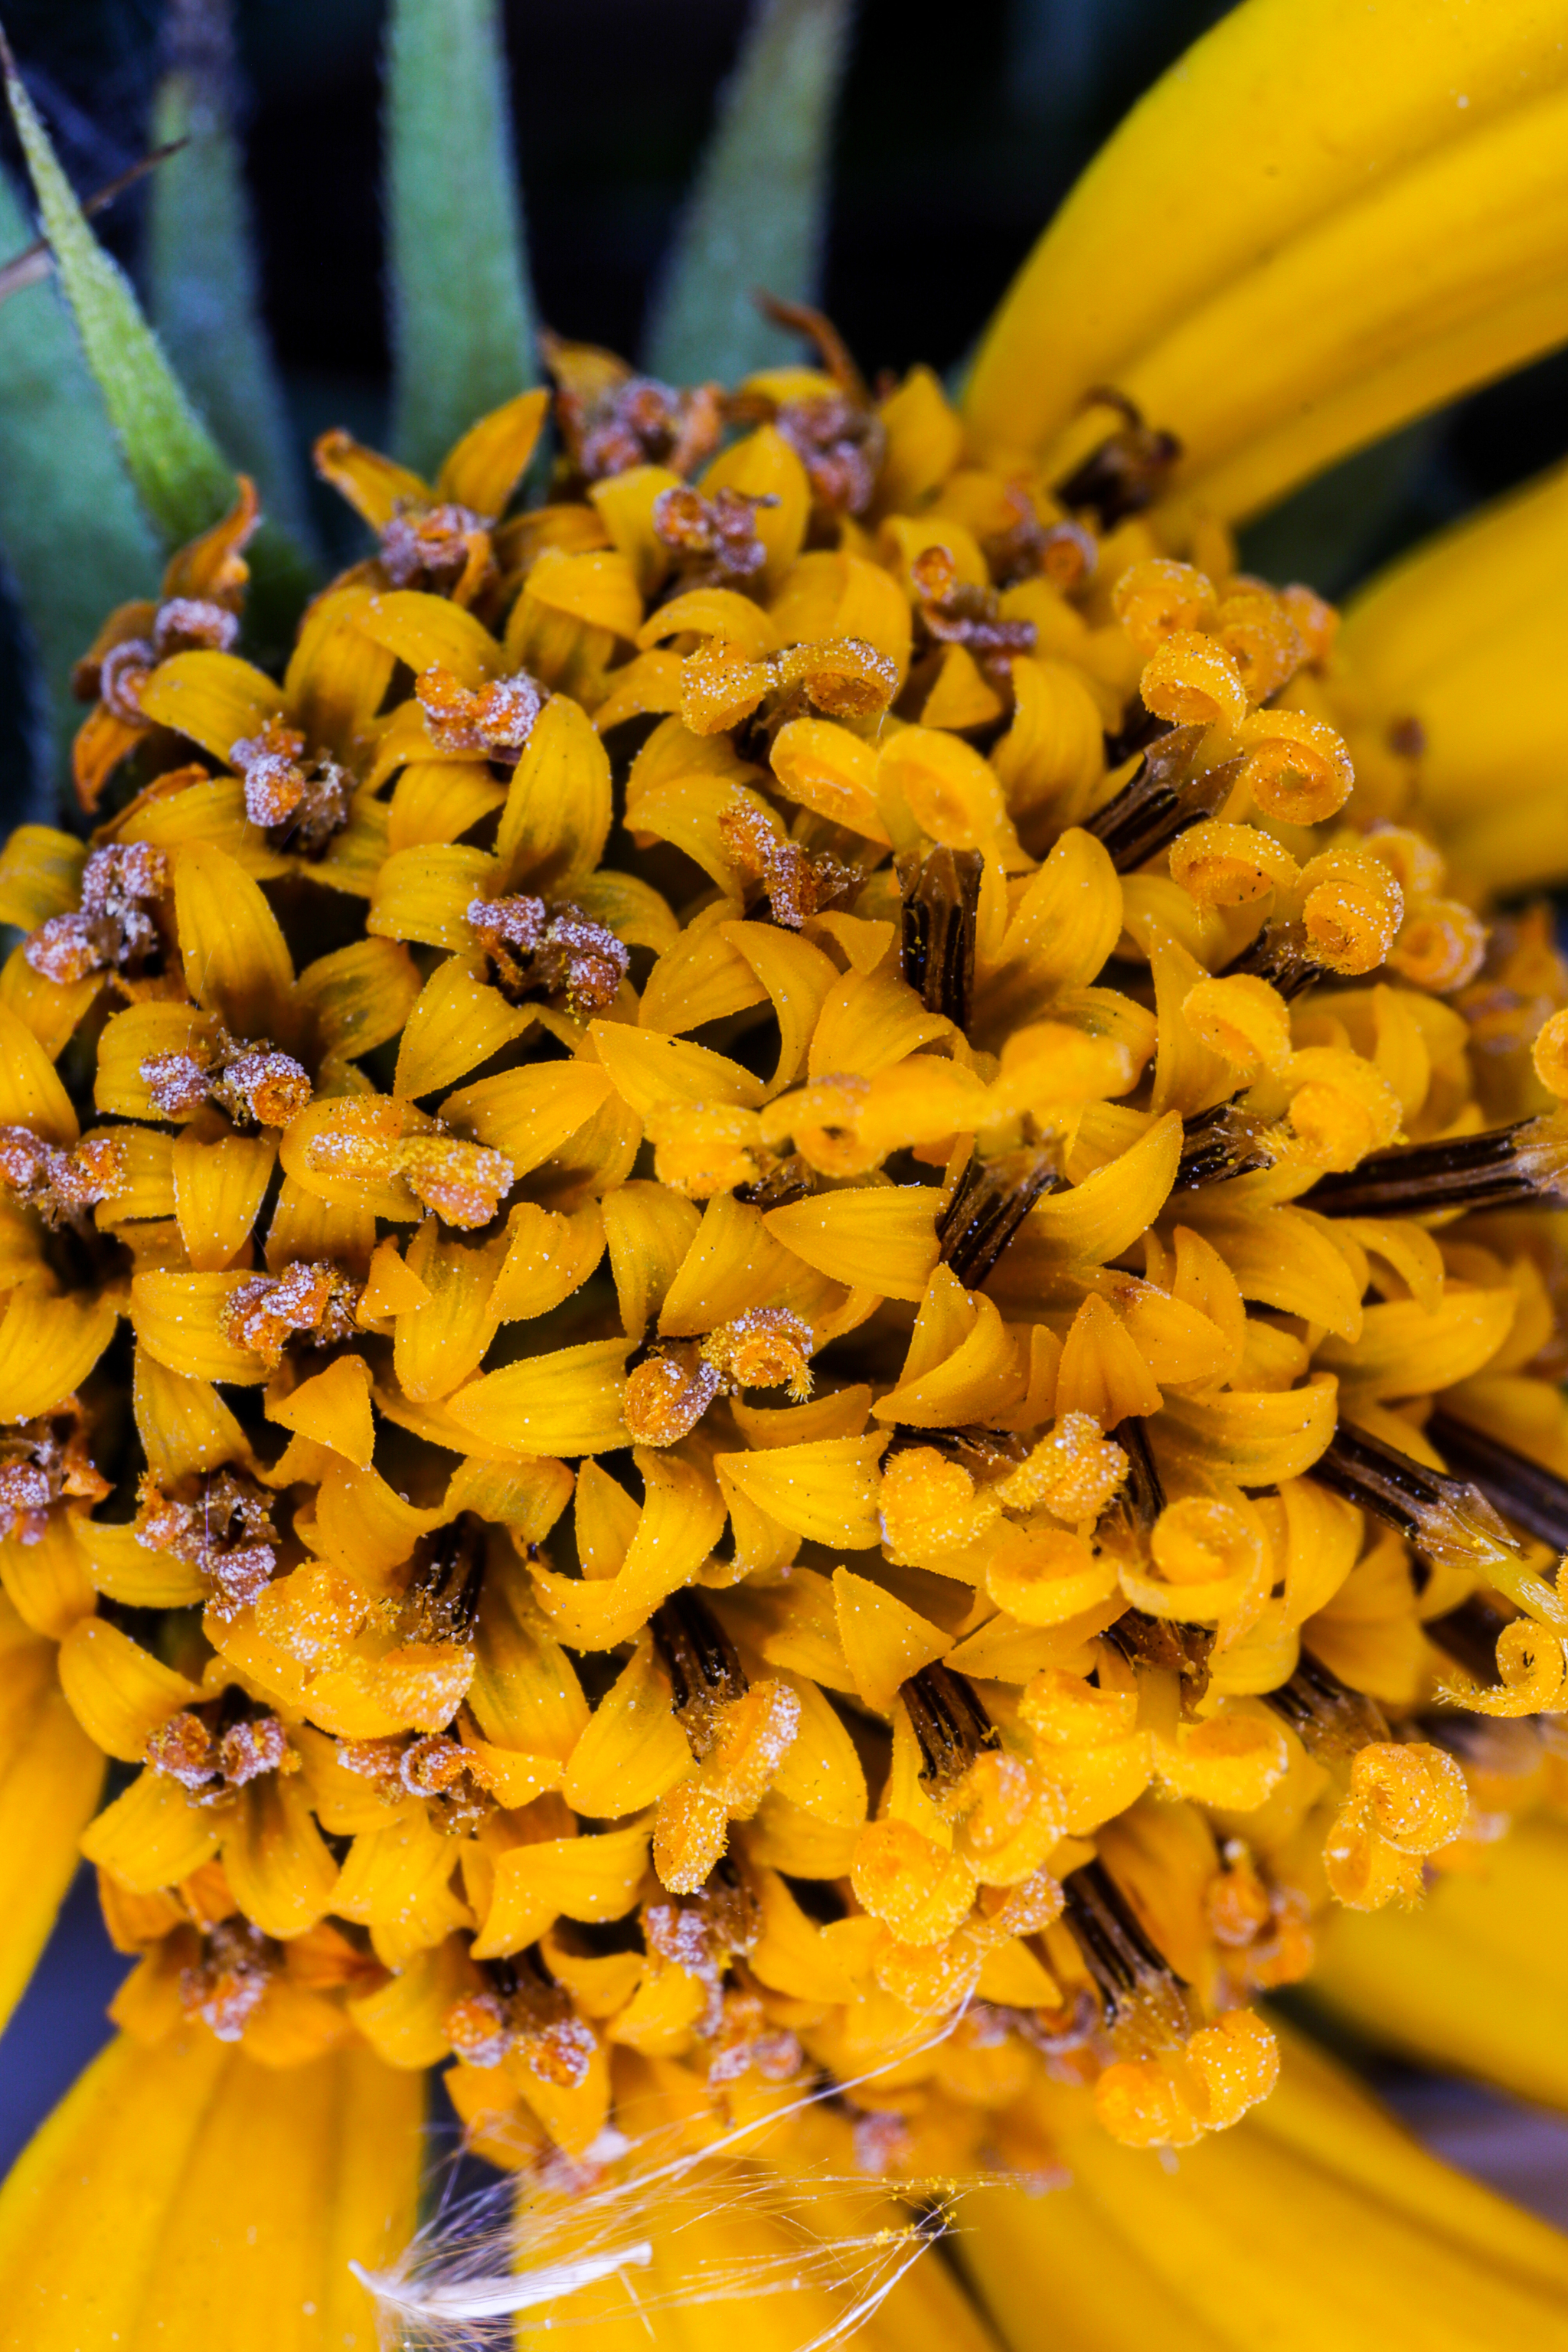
(768, 1284)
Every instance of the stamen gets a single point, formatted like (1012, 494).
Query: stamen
(1218, 1144)
(1166, 1644)
(448, 1578)
(1447, 1520)
(1534, 1498)
(1142, 1494)
(1145, 2001)
(1280, 955)
(705, 1674)
(1507, 1167)
(940, 895)
(951, 1725)
(1156, 804)
(991, 1202)
(1127, 472)
(1331, 1720)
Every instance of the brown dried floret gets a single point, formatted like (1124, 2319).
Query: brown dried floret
(611, 420)
(465, 1183)
(312, 1297)
(294, 796)
(523, 2009)
(533, 949)
(445, 548)
(60, 1185)
(841, 442)
(227, 1987)
(211, 1760)
(224, 1531)
(252, 1080)
(951, 612)
(716, 534)
(798, 884)
(42, 1463)
(1128, 469)
(495, 719)
(114, 926)
(1063, 552)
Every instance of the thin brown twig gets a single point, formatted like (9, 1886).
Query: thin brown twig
(36, 260)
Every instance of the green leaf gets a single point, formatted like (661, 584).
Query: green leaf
(757, 215)
(180, 476)
(202, 280)
(71, 528)
(462, 311)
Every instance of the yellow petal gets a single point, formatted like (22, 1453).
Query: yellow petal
(31, 1093)
(218, 1189)
(180, 1320)
(557, 814)
(48, 1581)
(548, 1257)
(48, 1347)
(214, 699)
(565, 1404)
(633, 1750)
(649, 1231)
(50, 1775)
(649, 1069)
(482, 470)
(335, 1410)
(119, 1692)
(586, 1878)
(681, 1519)
(530, 1113)
(826, 1491)
(1294, 134)
(40, 875)
(423, 631)
(361, 995)
(884, 1641)
(1234, 1435)
(275, 1857)
(153, 1835)
(762, 465)
(456, 1024)
(250, 2189)
(236, 959)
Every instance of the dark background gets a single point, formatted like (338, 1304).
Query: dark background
(960, 129)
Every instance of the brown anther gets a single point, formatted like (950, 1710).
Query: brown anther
(705, 1674)
(495, 719)
(797, 885)
(380, 1761)
(949, 1724)
(747, 2043)
(841, 443)
(178, 1083)
(114, 926)
(989, 1204)
(1145, 2001)
(941, 892)
(464, 1183)
(1161, 801)
(266, 1310)
(719, 531)
(668, 1394)
(1065, 554)
(1331, 1720)
(1127, 472)
(611, 420)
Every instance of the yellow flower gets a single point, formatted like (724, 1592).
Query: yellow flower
(781, 1329)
